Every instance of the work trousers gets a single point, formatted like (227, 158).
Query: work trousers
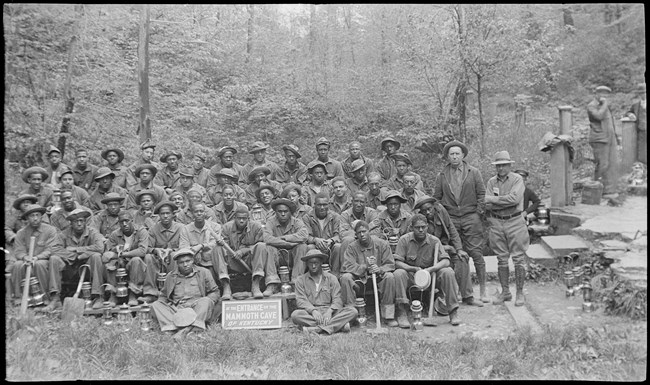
(606, 161)
(350, 284)
(95, 275)
(509, 238)
(294, 261)
(211, 261)
(259, 262)
(164, 312)
(445, 283)
(339, 318)
(470, 229)
(40, 270)
(140, 283)
(463, 277)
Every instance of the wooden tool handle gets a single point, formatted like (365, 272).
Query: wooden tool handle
(229, 249)
(81, 281)
(28, 273)
(433, 280)
(374, 286)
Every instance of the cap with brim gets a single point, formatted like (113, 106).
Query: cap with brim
(393, 194)
(258, 170)
(293, 148)
(258, 192)
(125, 214)
(147, 144)
(227, 172)
(502, 157)
(65, 170)
(78, 213)
(258, 146)
(186, 171)
(194, 191)
(284, 201)
(454, 143)
(162, 204)
(65, 193)
(112, 197)
(141, 193)
(175, 193)
(24, 197)
(33, 170)
(147, 166)
(603, 89)
(53, 149)
(120, 154)
(169, 153)
(402, 157)
(315, 253)
(315, 163)
(223, 150)
(357, 165)
(422, 201)
(200, 156)
(32, 209)
(181, 252)
(289, 187)
(389, 139)
(322, 140)
(523, 173)
(102, 172)
(184, 317)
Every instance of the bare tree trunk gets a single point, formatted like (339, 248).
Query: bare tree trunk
(480, 112)
(144, 126)
(249, 36)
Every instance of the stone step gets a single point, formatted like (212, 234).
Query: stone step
(538, 254)
(561, 245)
(631, 266)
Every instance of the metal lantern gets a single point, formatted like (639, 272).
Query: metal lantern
(587, 293)
(56, 201)
(416, 310)
(577, 278)
(542, 214)
(85, 293)
(124, 317)
(256, 213)
(35, 289)
(108, 315)
(145, 317)
(568, 281)
(122, 293)
(121, 275)
(326, 268)
(160, 280)
(285, 288)
(360, 305)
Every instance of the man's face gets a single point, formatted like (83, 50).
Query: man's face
(241, 221)
(228, 197)
(390, 148)
(105, 183)
(314, 265)
(197, 163)
(185, 264)
(363, 235)
(199, 213)
(455, 156)
(359, 175)
(355, 150)
(227, 159)
(194, 198)
(186, 181)
(503, 169)
(67, 181)
(147, 154)
(172, 162)
(259, 156)
(166, 215)
(373, 185)
(290, 157)
(393, 206)
(293, 196)
(320, 207)
(146, 176)
(146, 202)
(178, 201)
(402, 167)
(260, 178)
(323, 152)
(359, 203)
(54, 158)
(67, 202)
(82, 159)
(126, 224)
(266, 196)
(78, 225)
(419, 230)
(427, 210)
(318, 175)
(409, 184)
(24, 204)
(283, 214)
(34, 219)
(35, 181)
(339, 189)
(112, 158)
(113, 208)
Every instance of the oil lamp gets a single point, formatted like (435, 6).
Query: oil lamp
(577, 278)
(256, 213)
(285, 288)
(124, 317)
(542, 214)
(122, 292)
(145, 317)
(37, 294)
(160, 280)
(108, 315)
(587, 292)
(416, 310)
(360, 305)
(326, 268)
(85, 293)
(56, 201)
(568, 281)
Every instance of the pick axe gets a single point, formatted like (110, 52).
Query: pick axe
(378, 329)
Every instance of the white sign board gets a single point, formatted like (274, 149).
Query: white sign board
(252, 314)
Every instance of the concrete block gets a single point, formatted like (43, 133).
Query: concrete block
(563, 222)
(560, 245)
(538, 254)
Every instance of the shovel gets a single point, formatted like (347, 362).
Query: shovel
(378, 329)
(429, 320)
(74, 307)
(28, 276)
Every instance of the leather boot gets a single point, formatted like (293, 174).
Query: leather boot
(255, 287)
(389, 315)
(480, 274)
(520, 277)
(402, 318)
(227, 293)
(271, 289)
(504, 276)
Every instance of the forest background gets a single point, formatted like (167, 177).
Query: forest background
(491, 75)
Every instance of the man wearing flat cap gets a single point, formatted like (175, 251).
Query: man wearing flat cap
(168, 176)
(393, 222)
(332, 166)
(148, 150)
(354, 150)
(293, 170)
(114, 158)
(106, 183)
(603, 139)
(223, 177)
(460, 189)
(186, 183)
(317, 182)
(403, 165)
(508, 234)
(188, 298)
(82, 245)
(201, 174)
(639, 114)
(257, 178)
(14, 224)
(226, 155)
(145, 174)
(47, 243)
(386, 165)
(258, 150)
(358, 180)
(164, 238)
(35, 176)
(286, 238)
(54, 167)
(318, 299)
(79, 195)
(84, 172)
(143, 214)
(59, 218)
(106, 221)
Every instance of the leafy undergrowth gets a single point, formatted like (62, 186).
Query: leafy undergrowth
(44, 348)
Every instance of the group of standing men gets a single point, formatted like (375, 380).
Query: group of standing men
(359, 216)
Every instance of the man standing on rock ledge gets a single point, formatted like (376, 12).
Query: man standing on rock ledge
(603, 139)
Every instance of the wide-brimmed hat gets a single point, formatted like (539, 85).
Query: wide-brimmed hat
(502, 157)
(523, 173)
(315, 163)
(163, 204)
(402, 156)
(112, 197)
(293, 148)
(323, 140)
(357, 164)
(181, 252)
(78, 213)
(33, 208)
(390, 139)
(393, 194)
(102, 172)
(186, 171)
(223, 150)
(120, 154)
(228, 172)
(141, 193)
(53, 149)
(284, 201)
(257, 170)
(147, 144)
(33, 170)
(454, 143)
(603, 89)
(24, 197)
(315, 253)
(422, 201)
(168, 153)
(258, 146)
(265, 187)
(148, 166)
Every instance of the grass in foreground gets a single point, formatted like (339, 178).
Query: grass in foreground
(45, 349)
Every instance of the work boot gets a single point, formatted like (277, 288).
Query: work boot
(55, 303)
(113, 300)
(346, 328)
(453, 317)
(520, 277)
(472, 302)
(481, 275)
(227, 293)
(98, 303)
(402, 318)
(389, 315)
(504, 276)
(133, 301)
(255, 287)
(271, 289)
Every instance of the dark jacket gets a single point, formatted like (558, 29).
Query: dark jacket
(472, 194)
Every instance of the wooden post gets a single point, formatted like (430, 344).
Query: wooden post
(144, 125)
(628, 126)
(561, 182)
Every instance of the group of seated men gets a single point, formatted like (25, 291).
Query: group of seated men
(359, 216)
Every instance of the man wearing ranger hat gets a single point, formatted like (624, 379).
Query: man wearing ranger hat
(35, 176)
(293, 170)
(226, 155)
(332, 166)
(258, 150)
(318, 299)
(114, 158)
(357, 180)
(508, 234)
(143, 214)
(224, 177)
(105, 180)
(146, 174)
(603, 139)
(386, 165)
(146, 157)
(354, 149)
(393, 222)
(106, 221)
(317, 182)
(12, 226)
(59, 218)
(257, 178)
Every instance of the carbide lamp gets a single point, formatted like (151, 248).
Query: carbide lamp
(577, 278)
(568, 281)
(416, 310)
(326, 268)
(124, 317)
(85, 293)
(285, 288)
(145, 317)
(108, 315)
(160, 280)
(542, 214)
(256, 213)
(360, 305)
(587, 292)
(121, 275)
(122, 293)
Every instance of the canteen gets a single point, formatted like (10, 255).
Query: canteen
(422, 279)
